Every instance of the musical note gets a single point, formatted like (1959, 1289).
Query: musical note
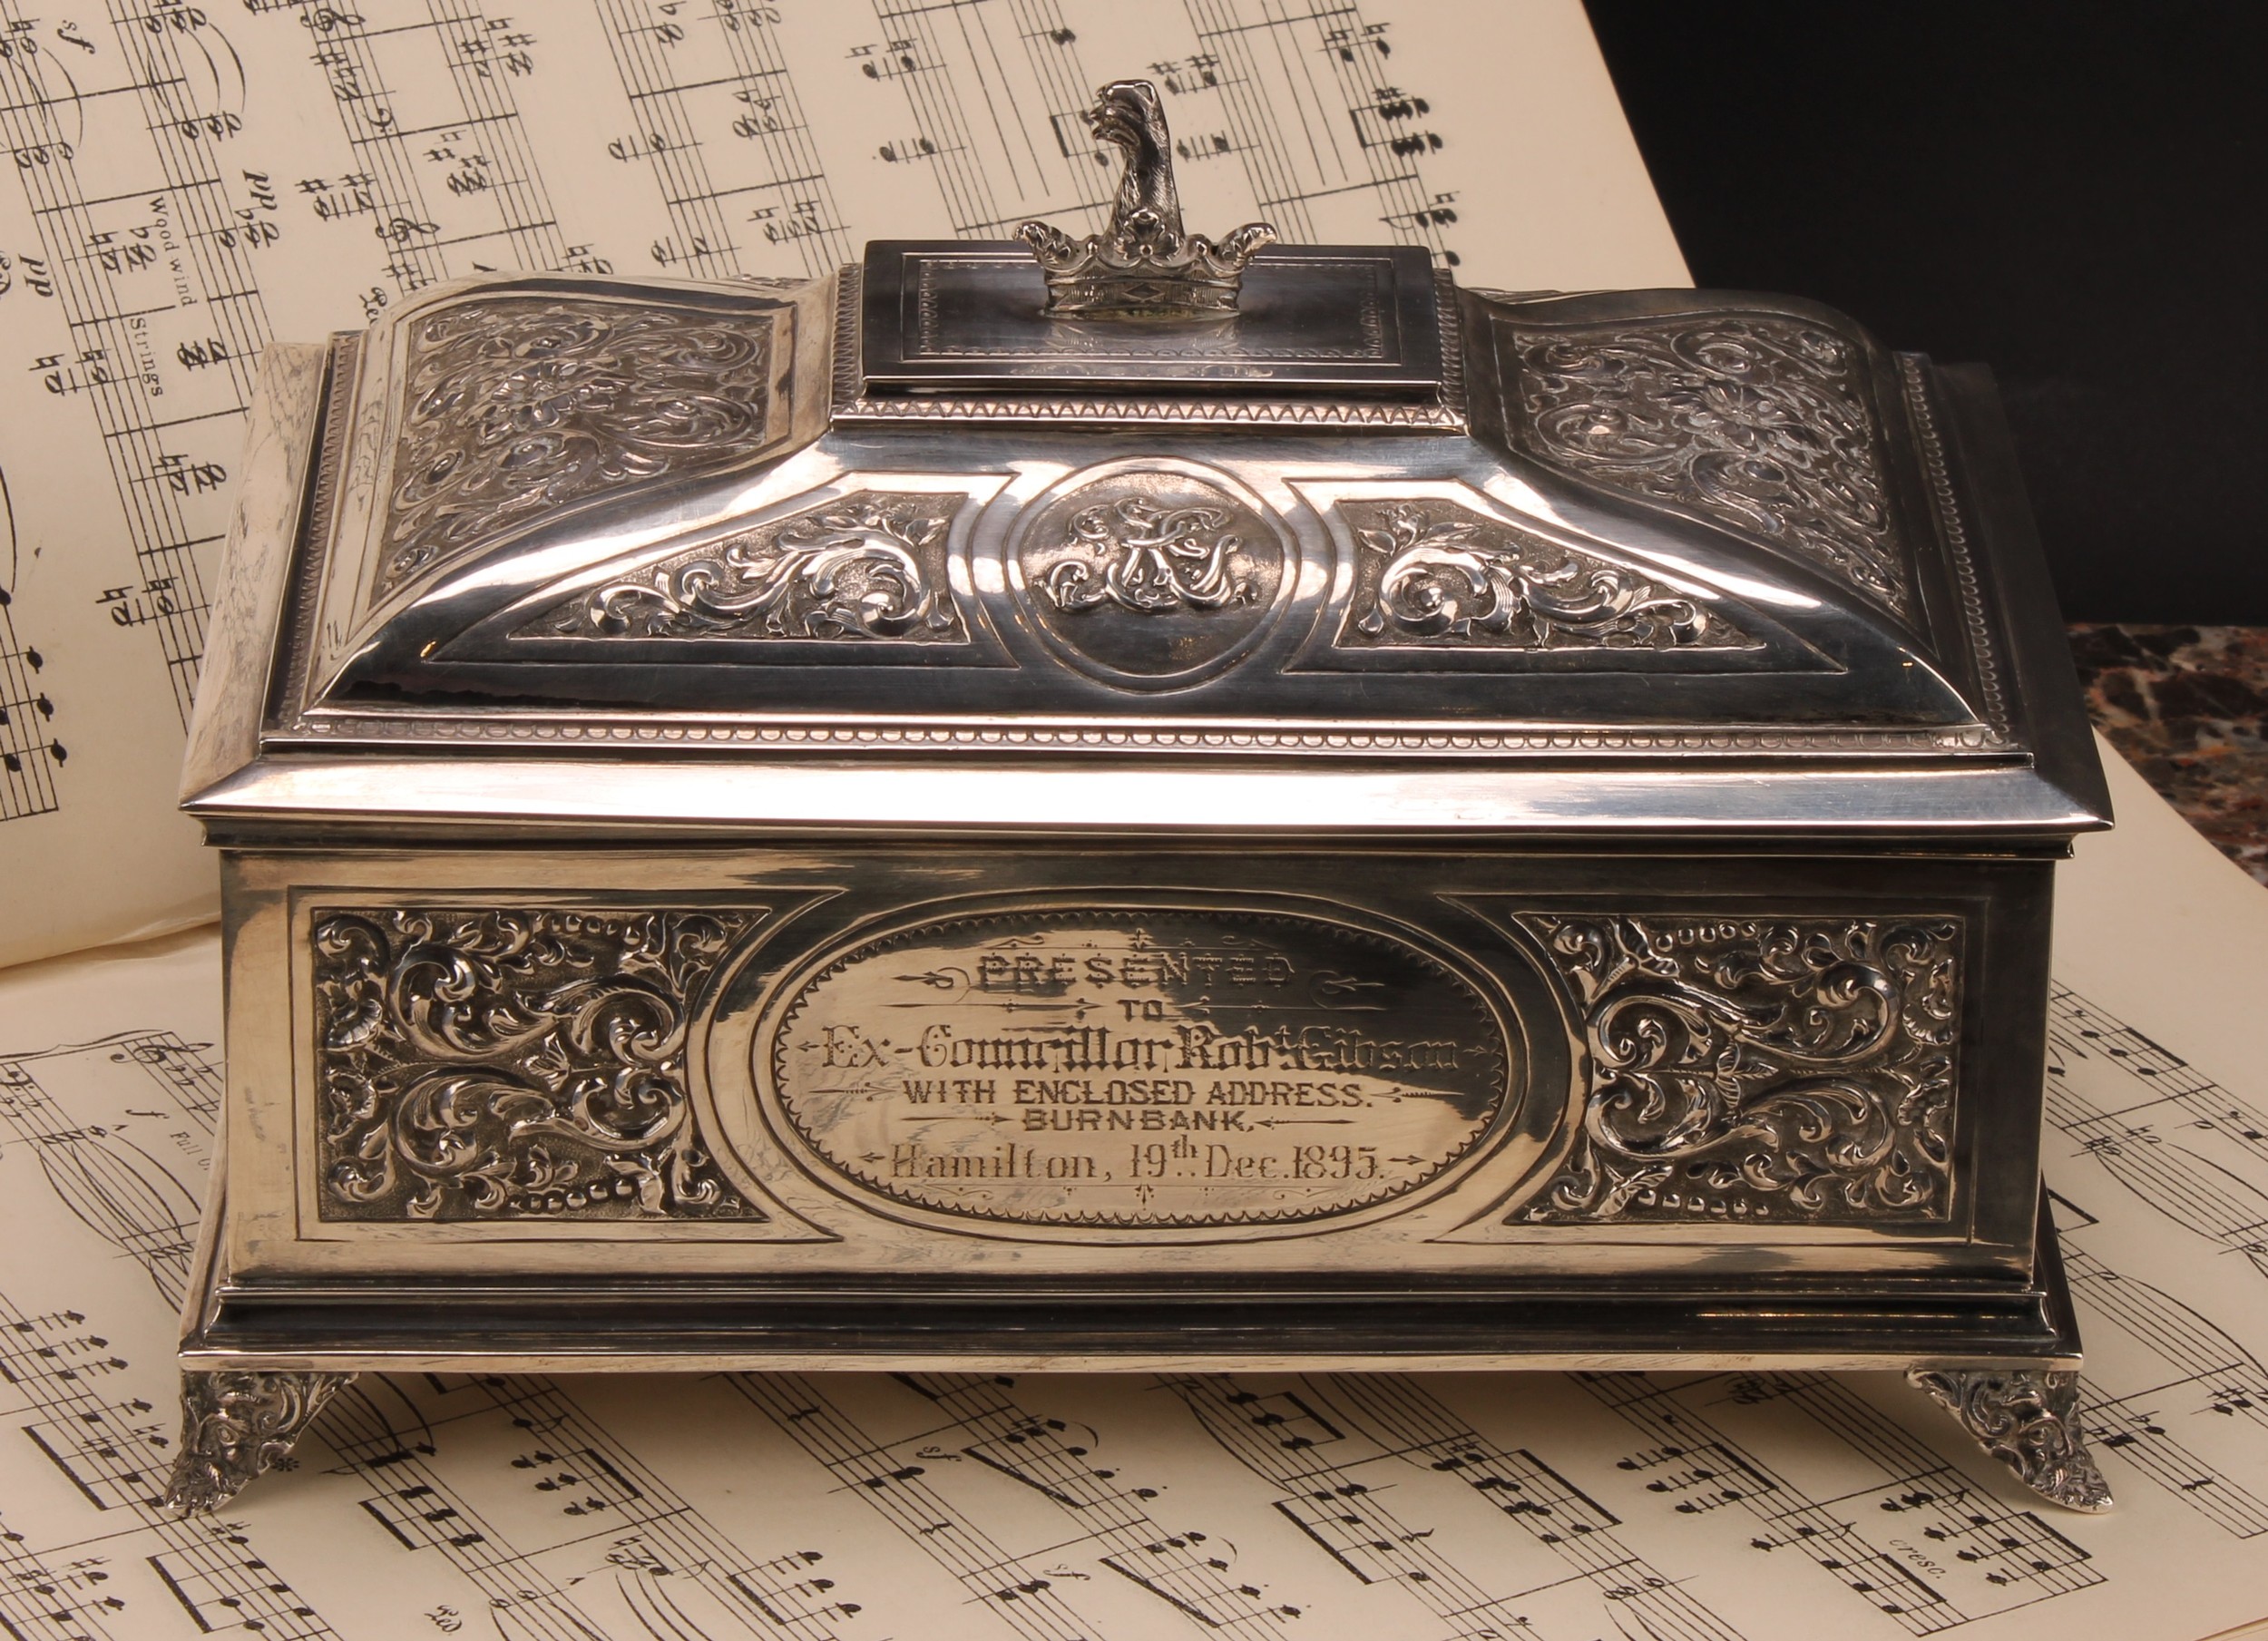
(724, 133)
(2180, 1142)
(1258, 67)
(30, 755)
(1190, 1570)
(913, 1505)
(2166, 1392)
(1987, 1557)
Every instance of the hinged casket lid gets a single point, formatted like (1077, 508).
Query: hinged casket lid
(927, 544)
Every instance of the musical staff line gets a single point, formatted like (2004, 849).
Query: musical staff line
(30, 754)
(2152, 1128)
(969, 71)
(1023, 1598)
(114, 1451)
(2007, 1559)
(2172, 1373)
(108, 250)
(37, 1600)
(1184, 1567)
(112, 1447)
(1282, 1438)
(182, 1068)
(442, 158)
(751, 119)
(1409, 1424)
(1309, 111)
(583, 1464)
(566, 1491)
(112, 1186)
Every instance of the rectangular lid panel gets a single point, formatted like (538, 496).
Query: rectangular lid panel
(1321, 319)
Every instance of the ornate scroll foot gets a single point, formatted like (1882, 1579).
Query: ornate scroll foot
(2030, 1422)
(235, 1425)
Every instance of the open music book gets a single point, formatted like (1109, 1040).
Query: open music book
(191, 181)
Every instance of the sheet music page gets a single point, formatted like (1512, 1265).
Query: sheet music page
(187, 181)
(935, 1507)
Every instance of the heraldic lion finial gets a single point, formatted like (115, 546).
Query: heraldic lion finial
(1143, 266)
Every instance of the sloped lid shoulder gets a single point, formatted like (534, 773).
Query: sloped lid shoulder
(577, 512)
(488, 413)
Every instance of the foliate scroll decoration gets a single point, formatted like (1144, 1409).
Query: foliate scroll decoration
(2030, 1421)
(1151, 559)
(235, 1425)
(1745, 1068)
(476, 1064)
(515, 405)
(1761, 422)
(1430, 574)
(869, 566)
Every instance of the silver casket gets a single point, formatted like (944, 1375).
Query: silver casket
(1016, 808)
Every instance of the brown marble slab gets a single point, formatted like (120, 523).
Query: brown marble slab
(2188, 708)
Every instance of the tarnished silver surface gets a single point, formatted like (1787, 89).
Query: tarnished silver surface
(482, 416)
(1169, 1066)
(1438, 576)
(1757, 419)
(2030, 1422)
(1151, 575)
(519, 408)
(1415, 560)
(1744, 1067)
(1035, 1054)
(876, 823)
(499, 1064)
(237, 1425)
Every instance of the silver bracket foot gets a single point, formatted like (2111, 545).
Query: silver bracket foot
(2030, 1422)
(235, 1425)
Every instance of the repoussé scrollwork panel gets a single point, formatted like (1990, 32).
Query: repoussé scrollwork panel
(1760, 420)
(1430, 574)
(869, 566)
(1748, 1069)
(480, 1064)
(515, 406)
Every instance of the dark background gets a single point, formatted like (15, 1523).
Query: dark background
(2071, 193)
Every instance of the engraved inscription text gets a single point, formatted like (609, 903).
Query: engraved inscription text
(1135, 1067)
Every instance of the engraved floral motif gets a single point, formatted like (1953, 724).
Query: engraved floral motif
(485, 1064)
(237, 1425)
(1761, 422)
(1738, 1068)
(1431, 573)
(869, 566)
(1153, 558)
(2030, 1422)
(517, 405)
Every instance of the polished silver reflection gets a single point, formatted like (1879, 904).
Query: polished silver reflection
(997, 813)
(1143, 265)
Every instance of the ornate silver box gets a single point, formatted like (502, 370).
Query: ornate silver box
(1021, 807)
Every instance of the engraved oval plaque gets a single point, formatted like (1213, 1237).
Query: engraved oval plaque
(1152, 574)
(1134, 1067)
